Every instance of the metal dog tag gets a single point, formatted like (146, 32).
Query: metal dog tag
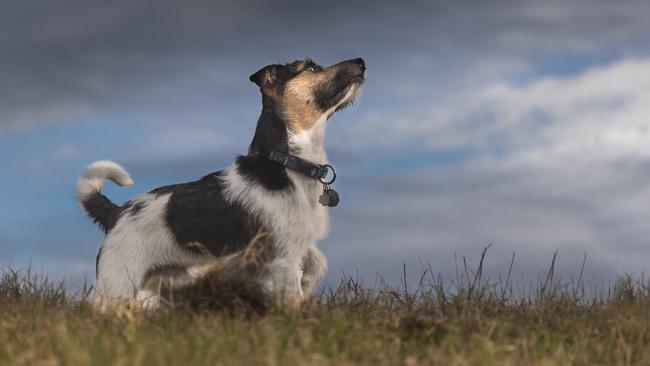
(329, 198)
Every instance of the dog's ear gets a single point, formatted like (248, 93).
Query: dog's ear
(264, 77)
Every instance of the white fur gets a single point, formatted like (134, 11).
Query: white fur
(314, 268)
(135, 245)
(96, 174)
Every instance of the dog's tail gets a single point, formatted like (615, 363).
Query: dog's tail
(89, 192)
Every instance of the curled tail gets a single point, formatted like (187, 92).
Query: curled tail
(89, 192)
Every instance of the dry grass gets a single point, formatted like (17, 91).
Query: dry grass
(468, 320)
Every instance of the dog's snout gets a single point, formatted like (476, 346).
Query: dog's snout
(359, 61)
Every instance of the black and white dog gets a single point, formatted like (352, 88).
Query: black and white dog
(276, 189)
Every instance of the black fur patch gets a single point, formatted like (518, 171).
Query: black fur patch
(270, 175)
(101, 210)
(270, 134)
(198, 213)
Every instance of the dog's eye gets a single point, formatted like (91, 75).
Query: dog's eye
(311, 68)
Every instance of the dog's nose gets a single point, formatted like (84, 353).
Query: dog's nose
(359, 61)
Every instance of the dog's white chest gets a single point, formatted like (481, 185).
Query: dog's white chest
(294, 217)
(308, 219)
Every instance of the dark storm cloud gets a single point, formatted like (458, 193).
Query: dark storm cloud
(66, 60)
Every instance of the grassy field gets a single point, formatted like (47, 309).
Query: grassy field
(467, 321)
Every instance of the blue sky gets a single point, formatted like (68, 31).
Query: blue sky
(523, 124)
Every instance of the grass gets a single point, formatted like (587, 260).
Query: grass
(469, 320)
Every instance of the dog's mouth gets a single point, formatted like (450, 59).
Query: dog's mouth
(354, 82)
(341, 91)
(358, 79)
(348, 94)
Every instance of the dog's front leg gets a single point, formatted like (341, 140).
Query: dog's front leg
(284, 280)
(314, 266)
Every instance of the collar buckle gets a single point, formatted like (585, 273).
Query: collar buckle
(323, 174)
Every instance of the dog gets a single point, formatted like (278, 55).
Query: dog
(280, 188)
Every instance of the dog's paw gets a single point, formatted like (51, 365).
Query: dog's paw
(147, 300)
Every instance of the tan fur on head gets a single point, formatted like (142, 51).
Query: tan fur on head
(298, 105)
(293, 89)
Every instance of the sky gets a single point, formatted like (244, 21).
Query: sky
(521, 124)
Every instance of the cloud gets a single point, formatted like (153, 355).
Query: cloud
(599, 112)
(71, 60)
(558, 163)
(532, 116)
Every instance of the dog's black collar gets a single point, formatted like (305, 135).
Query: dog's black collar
(316, 171)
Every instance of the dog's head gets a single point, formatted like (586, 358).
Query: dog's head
(304, 92)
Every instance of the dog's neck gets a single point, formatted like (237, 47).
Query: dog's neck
(272, 134)
(309, 144)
